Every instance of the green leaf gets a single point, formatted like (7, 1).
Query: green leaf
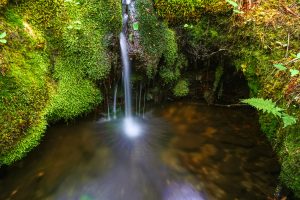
(288, 120)
(265, 105)
(2, 35)
(135, 26)
(298, 55)
(280, 66)
(3, 41)
(237, 11)
(186, 25)
(294, 72)
(233, 3)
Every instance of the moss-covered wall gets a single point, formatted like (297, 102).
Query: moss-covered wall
(270, 35)
(266, 33)
(56, 55)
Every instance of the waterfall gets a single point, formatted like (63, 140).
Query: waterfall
(126, 74)
(115, 102)
(131, 128)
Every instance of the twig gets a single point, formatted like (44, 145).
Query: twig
(294, 60)
(222, 105)
(215, 52)
(288, 10)
(288, 44)
(231, 105)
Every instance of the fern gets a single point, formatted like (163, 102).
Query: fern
(265, 105)
(288, 120)
(268, 106)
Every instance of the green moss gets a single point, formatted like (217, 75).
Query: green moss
(159, 44)
(188, 10)
(56, 54)
(24, 89)
(255, 41)
(290, 158)
(74, 97)
(259, 47)
(269, 125)
(171, 50)
(152, 32)
(3, 3)
(181, 89)
(13, 18)
(169, 75)
(26, 143)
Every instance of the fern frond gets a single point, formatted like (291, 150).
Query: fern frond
(268, 106)
(265, 105)
(288, 120)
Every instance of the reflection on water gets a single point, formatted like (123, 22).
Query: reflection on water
(184, 152)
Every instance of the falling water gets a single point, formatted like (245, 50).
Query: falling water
(140, 98)
(126, 74)
(131, 128)
(108, 113)
(125, 60)
(115, 102)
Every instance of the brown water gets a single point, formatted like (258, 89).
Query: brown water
(186, 152)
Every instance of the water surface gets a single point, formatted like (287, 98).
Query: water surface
(185, 152)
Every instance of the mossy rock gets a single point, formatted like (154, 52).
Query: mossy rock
(181, 89)
(50, 70)
(183, 11)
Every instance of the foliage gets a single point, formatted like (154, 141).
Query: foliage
(281, 67)
(24, 91)
(181, 89)
(3, 3)
(2, 36)
(73, 97)
(169, 75)
(30, 140)
(159, 44)
(135, 26)
(51, 66)
(290, 159)
(152, 31)
(268, 106)
(235, 6)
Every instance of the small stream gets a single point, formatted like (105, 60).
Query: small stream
(185, 151)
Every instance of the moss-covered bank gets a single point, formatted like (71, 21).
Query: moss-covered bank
(51, 66)
(263, 35)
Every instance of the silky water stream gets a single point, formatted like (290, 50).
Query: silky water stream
(185, 152)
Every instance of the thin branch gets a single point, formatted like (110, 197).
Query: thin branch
(213, 53)
(287, 48)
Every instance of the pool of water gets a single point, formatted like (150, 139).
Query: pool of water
(185, 152)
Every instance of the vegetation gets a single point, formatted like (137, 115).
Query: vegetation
(56, 55)
(268, 106)
(261, 39)
(181, 89)
(42, 77)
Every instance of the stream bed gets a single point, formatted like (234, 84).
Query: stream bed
(185, 151)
